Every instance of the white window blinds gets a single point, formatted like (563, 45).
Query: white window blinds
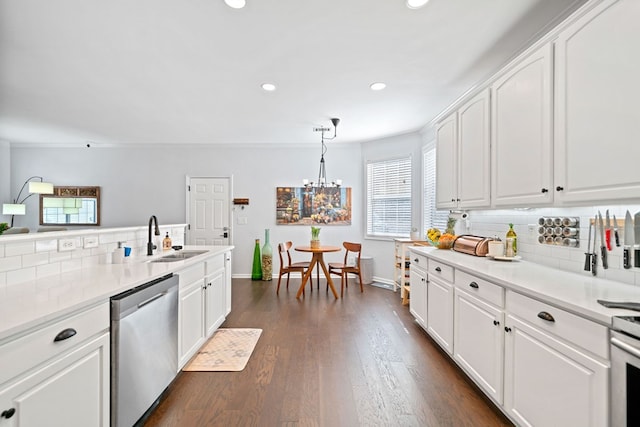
(389, 198)
(433, 218)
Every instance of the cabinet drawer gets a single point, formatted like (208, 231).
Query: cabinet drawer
(34, 348)
(190, 274)
(480, 288)
(575, 329)
(214, 264)
(418, 261)
(443, 271)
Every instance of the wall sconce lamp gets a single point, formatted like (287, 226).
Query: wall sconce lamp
(36, 186)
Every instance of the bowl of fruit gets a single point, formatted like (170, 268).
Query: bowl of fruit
(440, 240)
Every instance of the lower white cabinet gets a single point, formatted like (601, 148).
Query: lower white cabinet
(479, 342)
(58, 383)
(418, 285)
(204, 302)
(440, 312)
(548, 379)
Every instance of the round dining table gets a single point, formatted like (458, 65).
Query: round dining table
(317, 259)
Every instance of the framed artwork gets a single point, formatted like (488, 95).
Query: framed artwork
(309, 206)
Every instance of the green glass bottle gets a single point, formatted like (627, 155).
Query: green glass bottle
(512, 234)
(256, 272)
(267, 257)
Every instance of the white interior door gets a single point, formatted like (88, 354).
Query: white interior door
(209, 215)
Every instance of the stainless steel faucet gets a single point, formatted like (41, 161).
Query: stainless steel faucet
(150, 245)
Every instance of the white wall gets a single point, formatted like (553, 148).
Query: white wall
(5, 177)
(140, 181)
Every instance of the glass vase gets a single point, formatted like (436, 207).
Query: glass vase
(256, 272)
(267, 257)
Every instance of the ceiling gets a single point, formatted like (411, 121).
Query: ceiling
(189, 71)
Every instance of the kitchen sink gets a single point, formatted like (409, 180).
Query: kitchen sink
(178, 256)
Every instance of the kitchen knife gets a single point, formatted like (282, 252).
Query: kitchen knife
(628, 240)
(636, 239)
(587, 255)
(622, 304)
(603, 245)
(607, 230)
(615, 231)
(594, 254)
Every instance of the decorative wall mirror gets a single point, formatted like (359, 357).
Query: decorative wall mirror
(70, 206)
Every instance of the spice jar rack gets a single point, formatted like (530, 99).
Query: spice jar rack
(559, 230)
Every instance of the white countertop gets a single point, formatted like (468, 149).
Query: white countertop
(29, 304)
(574, 292)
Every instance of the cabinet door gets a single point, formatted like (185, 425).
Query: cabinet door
(597, 115)
(521, 133)
(215, 303)
(479, 342)
(440, 312)
(71, 390)
(474, 152)
(227, 283)
(447, 162)
(549, 382)
(418, 300)
(191, 322)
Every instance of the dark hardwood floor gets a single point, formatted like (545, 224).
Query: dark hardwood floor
(357, 361)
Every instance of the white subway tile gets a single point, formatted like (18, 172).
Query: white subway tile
(35, 259)
(20, 248)
(46, 245)
(10, 263)
(48, 270)
(22, 275)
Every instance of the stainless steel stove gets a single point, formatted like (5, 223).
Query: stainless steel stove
(625, 371)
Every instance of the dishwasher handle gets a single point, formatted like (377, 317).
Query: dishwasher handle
(152, 299)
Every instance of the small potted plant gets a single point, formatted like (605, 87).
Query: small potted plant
(315, 237)
(3, 226)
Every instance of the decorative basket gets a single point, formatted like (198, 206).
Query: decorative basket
(315, 244)
(442, 243)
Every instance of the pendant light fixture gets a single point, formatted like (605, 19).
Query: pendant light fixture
(322, 173)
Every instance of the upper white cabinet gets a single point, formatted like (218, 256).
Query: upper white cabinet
(521, 148)
(446, 162)
(474, 153)
(597, 119)
(463, 156)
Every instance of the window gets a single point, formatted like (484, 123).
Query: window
(433, 218)
(389, 198)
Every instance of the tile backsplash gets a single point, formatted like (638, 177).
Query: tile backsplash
(495, 223)
(31, 256)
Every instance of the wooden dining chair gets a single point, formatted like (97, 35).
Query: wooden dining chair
(287, 266)
(342, 269)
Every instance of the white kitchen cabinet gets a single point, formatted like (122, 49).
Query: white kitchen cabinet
(597, 114)
(191, 312)
(463, 156)
(474, 153)
(521, 132)
(58, 383)
(418, 282)
(215, 300)
(479, 342)
(227, 283)
(549, 379)
(447, 162)
(440, 312)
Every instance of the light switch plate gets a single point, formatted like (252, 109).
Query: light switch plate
(90, 242)
(66, 245)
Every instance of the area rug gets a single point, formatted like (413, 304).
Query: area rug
(227, 350)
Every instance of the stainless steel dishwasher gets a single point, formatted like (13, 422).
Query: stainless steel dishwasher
(144, 347)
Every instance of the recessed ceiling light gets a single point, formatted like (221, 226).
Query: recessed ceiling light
(236, 4)
(269, 87)
(377, 86)
(416, 4)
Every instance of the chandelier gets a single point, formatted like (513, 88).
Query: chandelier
(322, 173)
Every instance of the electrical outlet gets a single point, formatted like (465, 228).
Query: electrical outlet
(90, 242)
(66, 245)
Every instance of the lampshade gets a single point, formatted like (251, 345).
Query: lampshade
(14, 209)
(40, 187)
